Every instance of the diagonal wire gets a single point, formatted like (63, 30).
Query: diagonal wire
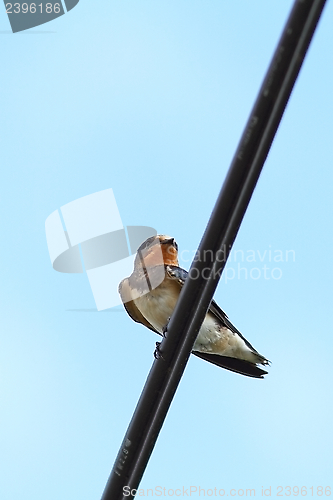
(218, 238)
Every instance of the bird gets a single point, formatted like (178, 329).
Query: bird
(150, 294)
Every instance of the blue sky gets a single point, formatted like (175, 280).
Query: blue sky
(151, 97)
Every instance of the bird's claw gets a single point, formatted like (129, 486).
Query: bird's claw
(165, 328)
(157, 352)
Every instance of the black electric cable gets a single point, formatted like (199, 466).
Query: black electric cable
(218, 238)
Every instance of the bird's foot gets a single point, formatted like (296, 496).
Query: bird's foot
(165, 328)
(157, 352)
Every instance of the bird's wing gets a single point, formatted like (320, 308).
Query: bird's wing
(221, 315)
(132, 310)
(181, 275)
(233, 364)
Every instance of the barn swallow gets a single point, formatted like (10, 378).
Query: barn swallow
(150, 294)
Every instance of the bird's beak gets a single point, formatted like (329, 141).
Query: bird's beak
(170, 241)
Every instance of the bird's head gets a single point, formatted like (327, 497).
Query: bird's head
(157, 250)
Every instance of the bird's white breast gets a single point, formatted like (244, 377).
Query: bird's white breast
(213, 338)
(157, 305)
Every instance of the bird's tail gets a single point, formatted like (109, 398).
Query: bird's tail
(259, 358)
(235, 365)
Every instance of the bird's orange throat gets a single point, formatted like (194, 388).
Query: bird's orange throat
(170, 255)
(159, 255)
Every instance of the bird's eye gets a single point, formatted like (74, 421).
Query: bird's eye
(175, 245)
